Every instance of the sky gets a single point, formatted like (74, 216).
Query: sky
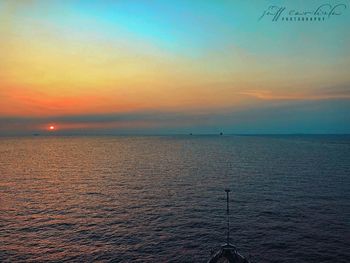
(164, 67)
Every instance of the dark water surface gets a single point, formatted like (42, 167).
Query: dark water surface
(161, 199)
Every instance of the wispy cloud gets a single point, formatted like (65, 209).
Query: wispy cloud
(285, 95)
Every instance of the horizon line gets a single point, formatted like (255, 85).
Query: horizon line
(170, 134)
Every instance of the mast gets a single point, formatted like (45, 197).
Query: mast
(228, 253)
(228, 215)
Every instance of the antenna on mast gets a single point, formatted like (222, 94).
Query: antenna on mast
(228, 253)
(228, 215)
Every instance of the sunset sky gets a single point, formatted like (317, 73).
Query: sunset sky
(153, 67)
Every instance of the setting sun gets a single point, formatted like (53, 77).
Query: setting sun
(51, 128)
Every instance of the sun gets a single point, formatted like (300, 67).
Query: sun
(52, 128)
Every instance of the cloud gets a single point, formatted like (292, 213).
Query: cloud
(103, 122)
(323, 94)
(304, 116)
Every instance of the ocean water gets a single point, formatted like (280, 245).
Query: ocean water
(162, 199)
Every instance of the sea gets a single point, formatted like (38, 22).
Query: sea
(162, 198)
